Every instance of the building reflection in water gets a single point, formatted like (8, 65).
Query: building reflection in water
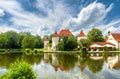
(114, 62)
(46, 57)
(55, 62)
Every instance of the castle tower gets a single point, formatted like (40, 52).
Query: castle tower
(55, 40)
(46, 43)
(81, 36)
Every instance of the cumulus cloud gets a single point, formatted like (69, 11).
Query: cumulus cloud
(90, 16)
(5, 28)
(55, 19)
(2, 12)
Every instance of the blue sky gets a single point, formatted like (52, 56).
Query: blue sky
(43, 17)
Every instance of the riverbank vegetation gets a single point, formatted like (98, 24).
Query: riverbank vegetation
(14, 40)
(19, 70)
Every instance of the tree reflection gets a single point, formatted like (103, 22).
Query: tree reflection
(82, 62)
(67, 61)
(7, 59)
(95, 65)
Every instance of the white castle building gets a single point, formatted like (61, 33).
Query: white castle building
(64, 32)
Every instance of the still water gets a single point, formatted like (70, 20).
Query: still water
(67, 66)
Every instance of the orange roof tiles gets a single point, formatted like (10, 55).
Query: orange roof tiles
(55, 34)
(102, 43)
(116, 36)
(65, 32)
(81, 33)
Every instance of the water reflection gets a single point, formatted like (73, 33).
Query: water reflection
(114, 62)
(67, 66)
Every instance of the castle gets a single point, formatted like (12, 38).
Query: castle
(56, 37)
(112, 41)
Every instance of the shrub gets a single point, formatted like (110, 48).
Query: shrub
(83, 49)
(19, 70)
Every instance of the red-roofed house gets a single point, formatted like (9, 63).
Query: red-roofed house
(65, 32)
(98, 46)
(56, 37)
(114, 38)
(81, 36)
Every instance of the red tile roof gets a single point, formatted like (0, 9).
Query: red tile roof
(65, 32)
(102, 43)
(81, 33)
(116, 36)
(55, 34)
(46, 39)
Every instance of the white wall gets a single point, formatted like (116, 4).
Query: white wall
(46, 43)
(55, 41)
(81, 37)
(112, 40)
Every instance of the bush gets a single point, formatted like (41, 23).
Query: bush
(83, 49)
(19, 70)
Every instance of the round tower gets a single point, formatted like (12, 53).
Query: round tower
(46, 43)
(55, 40)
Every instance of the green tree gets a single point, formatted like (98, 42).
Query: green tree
(84, 42)
(95, 35)
(67, 43)
(38, 42)
(3, 41)
(11, 37)
(28, 42)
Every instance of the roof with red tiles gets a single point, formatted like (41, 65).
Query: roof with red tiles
(81, 33)
(65, 32)
(116, 36)
(55, 34)
(102, 43)
(46, 39)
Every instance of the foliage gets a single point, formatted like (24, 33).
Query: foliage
(19, 70)
(95, 35)
(67, 43)
(13, 40)
(105, 48)
(61, 46)
(95, 65)
(84, 42)
(83, 49)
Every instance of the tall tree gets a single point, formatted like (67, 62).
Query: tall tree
(11, 37)
(67, 43)
(95, 35)
(28, 42)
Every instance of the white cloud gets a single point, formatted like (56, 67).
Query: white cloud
(36, 24)
(89, 16)
(5, 28)
(2, 12)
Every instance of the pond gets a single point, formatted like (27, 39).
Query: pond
(67, 66)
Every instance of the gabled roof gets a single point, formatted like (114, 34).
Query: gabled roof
(55, 34)
(116, 36)
(65, 32)
(46, 39)
(81, 33)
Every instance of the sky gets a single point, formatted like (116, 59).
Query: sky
(44, 17)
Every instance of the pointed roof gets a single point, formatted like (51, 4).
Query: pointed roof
(46, 39)
(81, 33)
(55, 34)
(116, 36)
(65, 32)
